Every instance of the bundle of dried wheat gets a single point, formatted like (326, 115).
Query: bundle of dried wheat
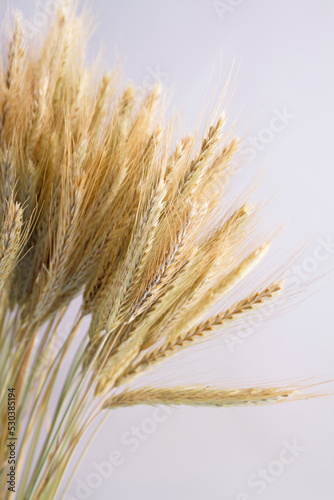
(96, 201)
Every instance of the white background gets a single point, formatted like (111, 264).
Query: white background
(284, 53)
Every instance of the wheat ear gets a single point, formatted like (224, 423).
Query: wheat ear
(203, 396)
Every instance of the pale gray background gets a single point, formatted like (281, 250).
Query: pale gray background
(284, 52)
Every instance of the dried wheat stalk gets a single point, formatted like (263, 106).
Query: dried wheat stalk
(96, 200)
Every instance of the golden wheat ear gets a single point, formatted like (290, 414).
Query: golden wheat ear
(12, 239)
(206, 396)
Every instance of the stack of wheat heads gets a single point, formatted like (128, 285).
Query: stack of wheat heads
(99, 198)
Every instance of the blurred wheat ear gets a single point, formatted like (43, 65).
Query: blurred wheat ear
(100, 198)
